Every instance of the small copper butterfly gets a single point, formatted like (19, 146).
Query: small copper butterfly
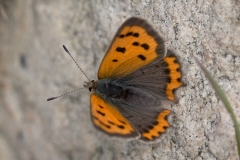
(136, 76)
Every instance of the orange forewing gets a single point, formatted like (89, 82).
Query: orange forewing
(107, 118)
(135, 45)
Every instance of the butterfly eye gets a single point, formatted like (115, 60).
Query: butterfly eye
(90, 89)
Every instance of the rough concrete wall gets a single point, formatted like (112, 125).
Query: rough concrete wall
(34, 67)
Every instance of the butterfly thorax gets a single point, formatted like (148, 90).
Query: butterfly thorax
(110, 88)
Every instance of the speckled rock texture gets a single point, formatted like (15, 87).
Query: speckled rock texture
(34, 67)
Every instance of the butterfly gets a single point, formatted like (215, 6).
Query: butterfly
(135, 78)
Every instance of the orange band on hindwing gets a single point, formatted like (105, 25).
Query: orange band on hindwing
(159, 127)
(174, 75)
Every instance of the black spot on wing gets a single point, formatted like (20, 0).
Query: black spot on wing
(99, 112)
(135, 34)
(165, 117)
(173, 91)
(107, 126)
(135, 44)
(165, 127)
(120, 49)
(167, 71)
(111, 122)
(150, 127)
(145, 46)
(142, 57)
(114, 60)
(155, 123)
(100, 106)
(120, 126)
(159, 133)
(129, 33)
(122, 122)
(121, 36)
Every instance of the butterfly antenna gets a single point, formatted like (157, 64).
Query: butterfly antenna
(52, 98)
(66, 50)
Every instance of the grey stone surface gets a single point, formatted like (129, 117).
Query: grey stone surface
(34, 67)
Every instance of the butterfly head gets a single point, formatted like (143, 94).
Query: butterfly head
(91, 85)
